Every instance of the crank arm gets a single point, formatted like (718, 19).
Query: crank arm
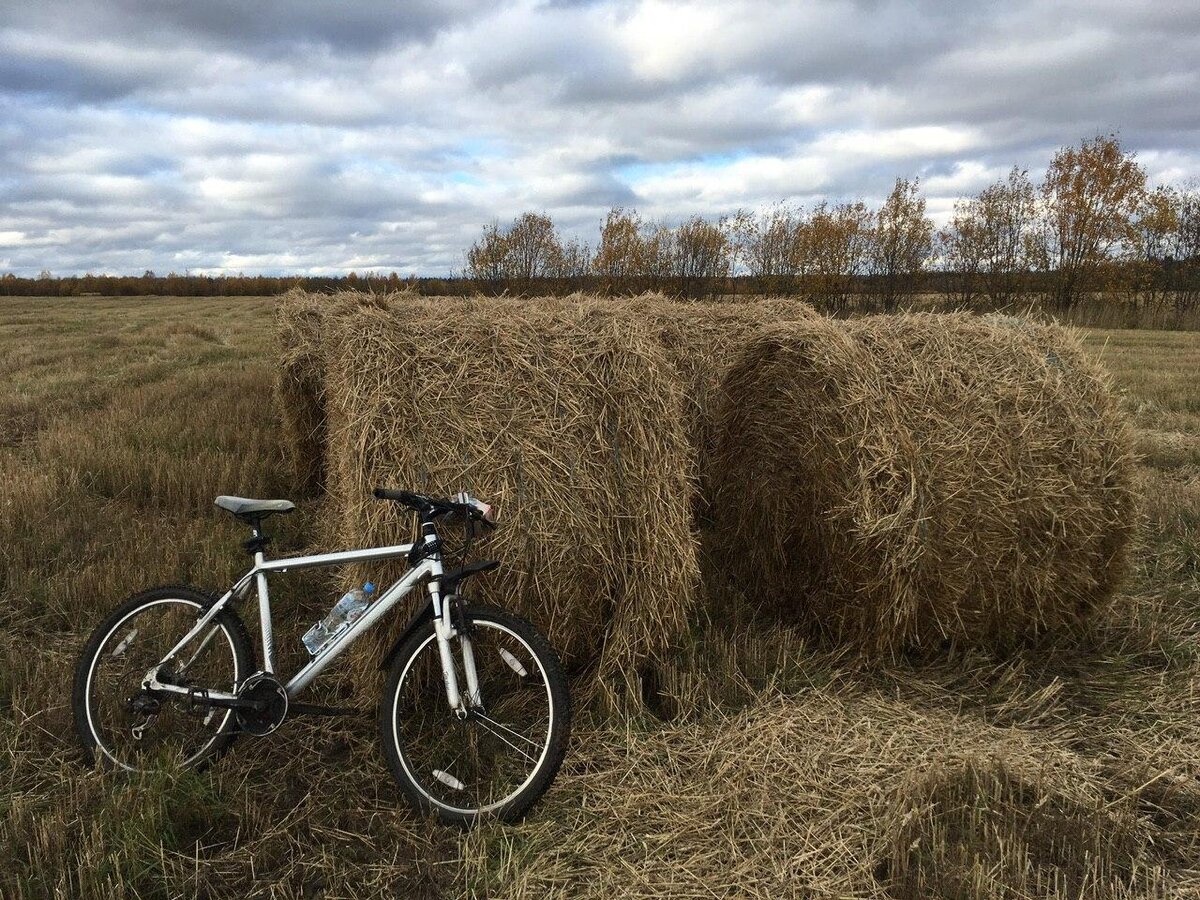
(312, 709)
(203, 698)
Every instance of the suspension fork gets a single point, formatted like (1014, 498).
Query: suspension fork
(474, 696)
(444, 630)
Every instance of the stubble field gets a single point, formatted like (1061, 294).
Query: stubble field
(1069, 768)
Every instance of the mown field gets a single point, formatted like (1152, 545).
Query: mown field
(1071, 768)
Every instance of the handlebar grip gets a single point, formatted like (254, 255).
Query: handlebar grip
(428, 505)
(406, 497)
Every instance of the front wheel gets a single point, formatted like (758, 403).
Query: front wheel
(499, 758)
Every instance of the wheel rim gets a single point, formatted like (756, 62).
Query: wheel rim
(177, 734)
(481, 764)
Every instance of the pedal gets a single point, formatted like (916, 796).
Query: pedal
(313, 709)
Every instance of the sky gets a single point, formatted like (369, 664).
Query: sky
(225, 136)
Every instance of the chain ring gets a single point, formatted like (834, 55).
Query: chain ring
(263, 687)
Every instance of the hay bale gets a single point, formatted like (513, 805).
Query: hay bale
(896, 481)
(699, 339)
(301, 321)
(299, 385)
(304, 323)
(568, 423)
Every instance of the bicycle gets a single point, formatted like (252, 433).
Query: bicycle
(170, 676)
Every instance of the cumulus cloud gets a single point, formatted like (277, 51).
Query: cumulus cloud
(325, 136)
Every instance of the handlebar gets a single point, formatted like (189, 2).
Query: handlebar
(408, 498)
(433, 507)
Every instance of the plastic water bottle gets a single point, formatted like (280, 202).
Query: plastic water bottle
(342, 616)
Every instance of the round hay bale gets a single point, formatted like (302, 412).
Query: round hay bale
(299, 384)
(569, 424)
(304, 323)
(700, 339)
(898, 481)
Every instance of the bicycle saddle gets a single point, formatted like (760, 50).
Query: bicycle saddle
(244, 506)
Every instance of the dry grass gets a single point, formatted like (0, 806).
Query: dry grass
(155, 407)
(821, 795)
(117, 414)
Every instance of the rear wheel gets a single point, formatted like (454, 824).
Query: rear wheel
(121, 724)
(499, 759)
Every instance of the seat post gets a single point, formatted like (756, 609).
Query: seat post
(258, 540)
(255, 545)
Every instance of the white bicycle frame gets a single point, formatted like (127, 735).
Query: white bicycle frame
(431, 566)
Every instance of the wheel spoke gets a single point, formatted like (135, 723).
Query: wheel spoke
(515, 734)
(204, 643)
(501, 737)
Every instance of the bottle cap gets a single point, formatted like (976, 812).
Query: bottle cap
(368, 588)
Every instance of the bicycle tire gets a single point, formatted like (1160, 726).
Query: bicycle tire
(518, 804)
(239, 640)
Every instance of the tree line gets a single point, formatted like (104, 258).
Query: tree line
(174, 284)
(1090, 226)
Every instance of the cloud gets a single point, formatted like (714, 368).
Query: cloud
(329, 136)
(262, 28)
